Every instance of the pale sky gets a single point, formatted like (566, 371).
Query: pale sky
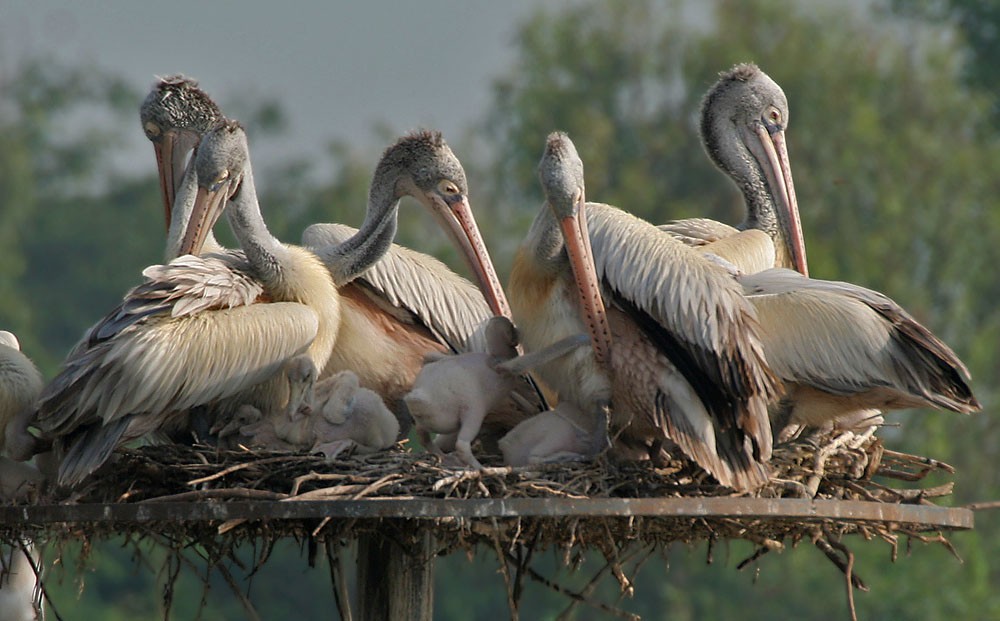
(336, 67)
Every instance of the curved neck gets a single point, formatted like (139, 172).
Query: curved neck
(264, 252)
(181, 215)
(761, 212)
(373, 239)
(726, 149)
(546, 241)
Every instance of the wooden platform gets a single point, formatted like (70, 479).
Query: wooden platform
(917, 515)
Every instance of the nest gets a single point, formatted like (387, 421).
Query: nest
(839, 466)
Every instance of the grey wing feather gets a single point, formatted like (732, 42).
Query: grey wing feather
(165, 363)
(186, 285)
(158, 358)
(90, 448)
(696, 313)
(697, 231)
(843, 338)
(408, 282)
(692, 297)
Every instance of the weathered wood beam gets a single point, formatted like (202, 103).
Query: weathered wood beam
(431, 508)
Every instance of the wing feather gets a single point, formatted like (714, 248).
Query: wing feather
(414, 287)
(695, 313)
(697, 231)
(169, 345)
(844, 339)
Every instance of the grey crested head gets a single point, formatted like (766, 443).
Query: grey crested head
(223, 155)
(176, 103)
(744, 97)
(424, 159)
(561, 172)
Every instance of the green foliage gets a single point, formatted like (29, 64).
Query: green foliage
(895, 155)
(74, 234)
(131, 580)
(895, 170)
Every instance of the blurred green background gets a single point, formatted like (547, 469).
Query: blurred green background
(894, 138)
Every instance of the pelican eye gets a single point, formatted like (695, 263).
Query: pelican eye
(773, 117)
(448, 188)
(219, 180)
(152, 129)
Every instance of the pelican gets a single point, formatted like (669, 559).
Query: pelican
(193, 334)
(675, 351)
(840, 349)
(174, 116)
(843, 351)
(452, 395)
(743, 121)
(20, 591)
(405, 306)
(20, 384)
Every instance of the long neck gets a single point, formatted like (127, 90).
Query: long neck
(761, 212)
(373, 239)
(726, 148)
(181, 214)
(264, 252)
(546, 240)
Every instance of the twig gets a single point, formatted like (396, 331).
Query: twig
(819, 463)
(215, 494)
(984, 505)
(849, 575)
(338, 580)
(237, 468)
(247, 605)
(43, 594)
(621, 614)
(845, 566)
(759, 552)
(502, 559)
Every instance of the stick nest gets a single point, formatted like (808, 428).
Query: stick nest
(840, 466)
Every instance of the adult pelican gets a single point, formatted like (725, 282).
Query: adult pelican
(175, 115)
(198, 330)
(743, 121)
(675, 351)
(840, 349)
(20, 384)
(846, 353)
(405, 306)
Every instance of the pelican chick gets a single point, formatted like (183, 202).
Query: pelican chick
(334, 414)
(453, 394)
(563, 433)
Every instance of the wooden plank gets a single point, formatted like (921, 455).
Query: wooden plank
(432, 508)
(395, 582)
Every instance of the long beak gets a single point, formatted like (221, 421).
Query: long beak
(208, 205)
(461, 226)
(779, 178)
(581, 261)
(171, 152)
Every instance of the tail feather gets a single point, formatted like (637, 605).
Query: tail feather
(89, 449)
